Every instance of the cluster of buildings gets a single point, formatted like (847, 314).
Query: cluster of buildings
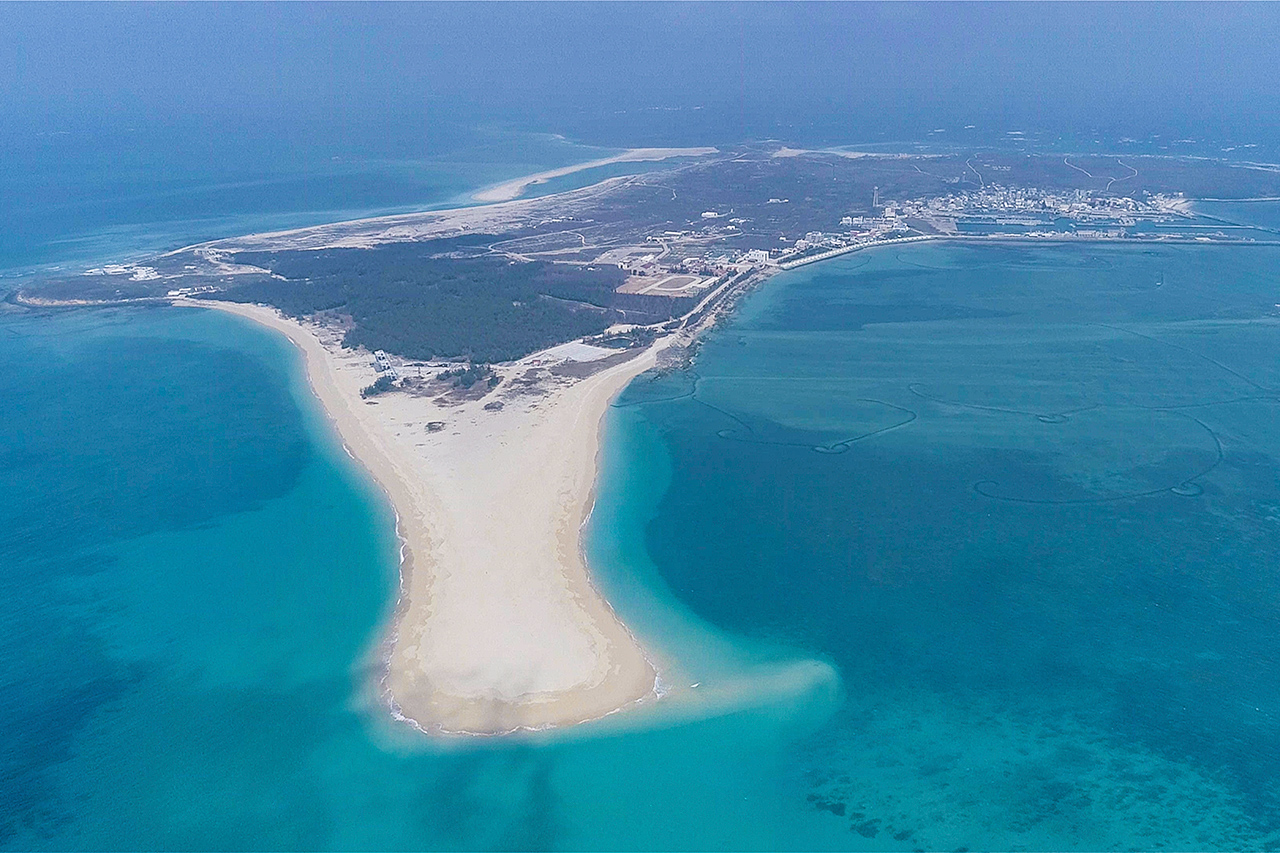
(193, 291)
(857, 231)
(989, 211)
(999, 205)
(732, 261)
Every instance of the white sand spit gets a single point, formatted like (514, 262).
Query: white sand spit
(498, 627)
(513, 189)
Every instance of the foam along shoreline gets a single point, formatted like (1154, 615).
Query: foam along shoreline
(515, 188)
(498, 627)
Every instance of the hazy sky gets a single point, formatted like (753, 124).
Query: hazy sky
(624, 70)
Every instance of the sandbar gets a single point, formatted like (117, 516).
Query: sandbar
(498, 626)
(513, 189)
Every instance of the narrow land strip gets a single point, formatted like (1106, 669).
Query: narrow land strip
(498, 626)
(515, 188)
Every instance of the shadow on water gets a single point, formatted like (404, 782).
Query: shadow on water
(496, 799)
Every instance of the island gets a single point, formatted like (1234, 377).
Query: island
(467, 358)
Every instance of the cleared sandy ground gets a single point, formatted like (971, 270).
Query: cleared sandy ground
(498, 626)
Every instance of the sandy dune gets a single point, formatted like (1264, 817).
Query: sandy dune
(513, 189)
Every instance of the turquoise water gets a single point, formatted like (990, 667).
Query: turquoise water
(1027, 501)
(963, 547)
(194, 579)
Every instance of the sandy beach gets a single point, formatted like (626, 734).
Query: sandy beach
(498, 626)
(513, 189)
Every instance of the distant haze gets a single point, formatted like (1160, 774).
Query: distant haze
(397, 77)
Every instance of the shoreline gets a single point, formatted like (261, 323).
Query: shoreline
(513, 189)
(1018, 240)
(497, 625)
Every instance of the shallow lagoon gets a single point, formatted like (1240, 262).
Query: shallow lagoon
(1027, 500)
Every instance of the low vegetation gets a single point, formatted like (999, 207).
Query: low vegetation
(465, 377)
(381, 385)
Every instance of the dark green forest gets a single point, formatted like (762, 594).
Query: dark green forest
(406, 299)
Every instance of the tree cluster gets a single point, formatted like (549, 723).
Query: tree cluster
(381, 385)
(404, 298)
(465, 377)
